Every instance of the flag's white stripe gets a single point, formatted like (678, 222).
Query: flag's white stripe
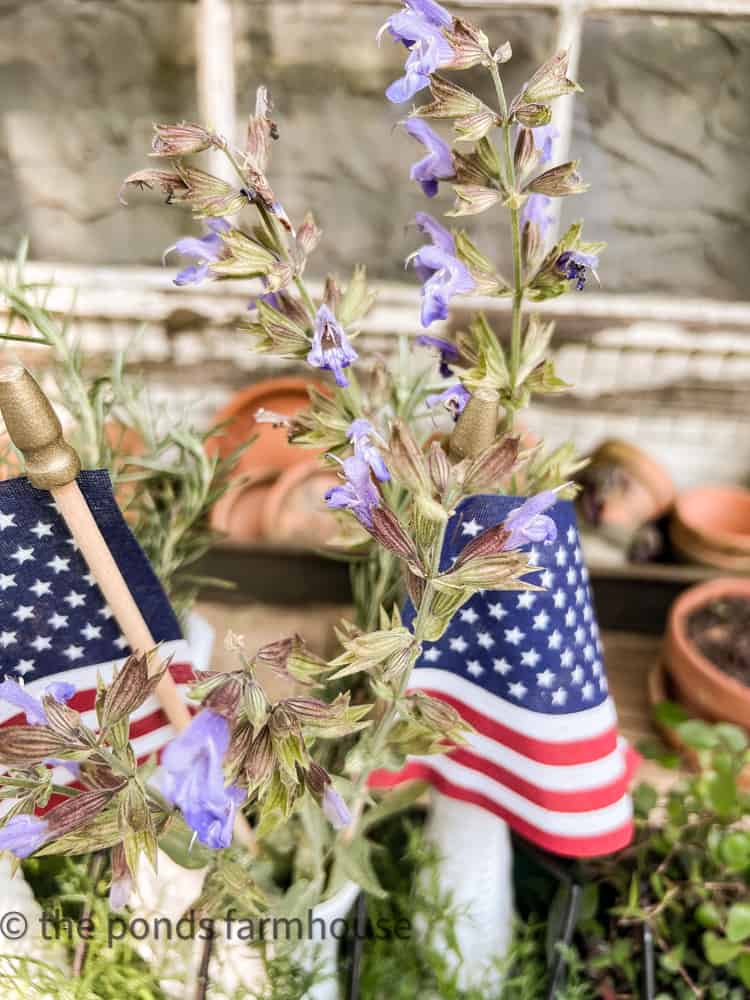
(83, 678)
(551, 777)
(570, 728)
(580, 824)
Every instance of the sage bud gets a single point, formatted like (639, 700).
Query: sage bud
(503, 54)
(22, 746)
(533, 115)
(169, 181)
(225, 698)
(550, 81)
(129, 689)
(259, 764)
(77, 812)
(559, 181)
(62, 719)
(406, 460)
(470, 45)
(134, 812)
(255, 705)
(473, 199)
(122, 879)
(473, 127)
(439, 467)
(387, 530)
(275, 655)
(182, 139)
(449, 101)
(308, 236)
(493, 465)
(525, 155)
(488, 543)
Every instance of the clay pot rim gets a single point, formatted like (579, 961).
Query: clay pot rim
(737, 541)
(243, 399)
(283, 383)
(288, 479)
(650, 473)
(691, 599)
(697, 549)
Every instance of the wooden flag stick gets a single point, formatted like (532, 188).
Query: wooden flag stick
(51, 464)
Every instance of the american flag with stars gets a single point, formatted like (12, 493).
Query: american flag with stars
(54, 622)
(525, 669)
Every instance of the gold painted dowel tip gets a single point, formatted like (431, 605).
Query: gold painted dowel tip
(35, 430)
(476, 428)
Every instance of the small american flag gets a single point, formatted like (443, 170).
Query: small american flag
(525, 669)
(54, 622)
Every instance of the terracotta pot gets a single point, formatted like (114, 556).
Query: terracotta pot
(702, 687)
(711, 525)
(295, 511)
(239, 513)
(271, 448)
(634, 489)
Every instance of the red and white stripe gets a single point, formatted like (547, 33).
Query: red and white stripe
(561, 781)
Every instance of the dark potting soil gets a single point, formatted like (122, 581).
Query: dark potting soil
(721, 631)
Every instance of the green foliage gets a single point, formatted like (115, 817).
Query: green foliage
(687, 875)
(112, 970)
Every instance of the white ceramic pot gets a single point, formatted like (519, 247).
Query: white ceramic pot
(323, 949)
(476, 869)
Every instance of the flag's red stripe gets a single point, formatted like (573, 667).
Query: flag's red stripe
(85, 700)
(574, 847)
(577, 751)
(582, 800)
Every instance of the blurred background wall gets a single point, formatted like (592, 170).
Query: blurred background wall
(663, 130)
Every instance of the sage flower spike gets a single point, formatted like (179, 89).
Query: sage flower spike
(419, 26)
(365, 439)
(203, 249)
(437, 266)
(437, 165)
(331, 349)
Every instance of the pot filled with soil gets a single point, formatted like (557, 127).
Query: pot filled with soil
(707, 650)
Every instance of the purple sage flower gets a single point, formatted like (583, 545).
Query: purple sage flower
(16, 694)
(23, 834)
(437, 165)
(535, 211)
(362, 434)
(120, 892)
(544, 140)
(454, 399)
(448, 351)
(419, 25)
(443, 275)
(331, 349)
(203, 249)
(335, 809)
(193, 779)
(529, 523)
(574, 264)
(358, 494)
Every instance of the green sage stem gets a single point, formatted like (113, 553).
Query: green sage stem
(515, 226)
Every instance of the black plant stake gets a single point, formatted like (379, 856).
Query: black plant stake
(360, 923)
